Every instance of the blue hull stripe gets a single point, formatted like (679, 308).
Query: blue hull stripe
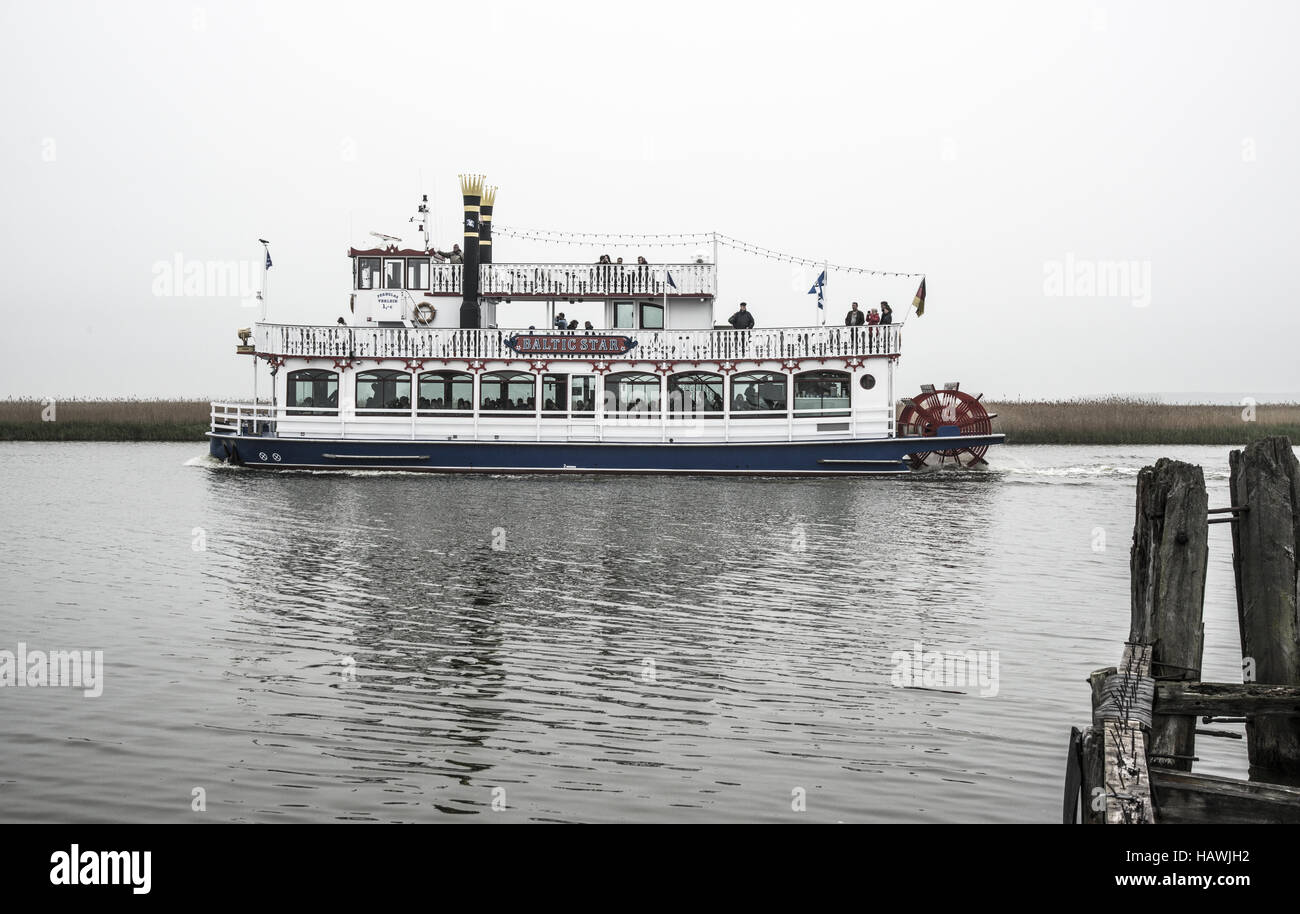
(821, 458)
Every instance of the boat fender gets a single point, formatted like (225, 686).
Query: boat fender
(424, 313)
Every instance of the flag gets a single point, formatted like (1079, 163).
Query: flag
(919, 302)
(268, 258)
(818, 287)
(669, 275)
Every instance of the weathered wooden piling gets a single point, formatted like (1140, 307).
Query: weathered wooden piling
(1167, 564)
(1265, 486)
(1134, 763)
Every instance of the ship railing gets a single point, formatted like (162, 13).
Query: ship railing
(590, 280)
(779, 343)
(242, 418)
(603, 280)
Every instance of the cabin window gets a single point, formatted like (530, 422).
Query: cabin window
(443, 392)
(696, 392)
(822, 391)
(367, 272)
(417, 273)
(624, 315)
(758, 394)
(501, 391)
(632, 392)
(555, 393)
(379, 391)
(313, 392)
(392, 274)
(652, 316)
(582, 395)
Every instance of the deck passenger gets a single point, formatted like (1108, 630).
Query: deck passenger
(588, 327)
(855, 317)
(573, 324)
(560, 322)
(886, 313)
(742, 319)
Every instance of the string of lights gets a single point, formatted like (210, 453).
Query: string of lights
(683, 239)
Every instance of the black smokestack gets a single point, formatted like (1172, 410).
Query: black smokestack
(485, 225)
(471, 186)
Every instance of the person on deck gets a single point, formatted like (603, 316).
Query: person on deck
(560, 322)
(742, 319)
(573, 324)
(886, 313)
(873, 317)
(855, 318)
(454, 255)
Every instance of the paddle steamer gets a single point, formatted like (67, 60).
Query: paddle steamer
(427, 373)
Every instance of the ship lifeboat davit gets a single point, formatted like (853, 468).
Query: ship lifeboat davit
(942, 413)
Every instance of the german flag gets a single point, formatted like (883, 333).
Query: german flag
(919, 302)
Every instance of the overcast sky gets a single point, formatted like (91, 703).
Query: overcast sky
(1003, 150)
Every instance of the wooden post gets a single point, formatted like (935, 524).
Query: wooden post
(1093, 752)
(1170, 550)
(1265, 480)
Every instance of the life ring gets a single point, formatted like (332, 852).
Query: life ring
(424, 313)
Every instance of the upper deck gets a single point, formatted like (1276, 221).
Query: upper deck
(344, 342)
(375, 271)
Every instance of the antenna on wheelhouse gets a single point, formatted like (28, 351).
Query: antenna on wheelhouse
(422, 217)
(387, 239)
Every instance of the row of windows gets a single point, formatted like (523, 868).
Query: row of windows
(390, 273)
(437, 392)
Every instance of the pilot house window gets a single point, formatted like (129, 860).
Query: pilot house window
(417, 273)
(392, 274)
(367, 272)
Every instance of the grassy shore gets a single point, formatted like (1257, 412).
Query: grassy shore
(103, 420)
(1126, 420)
(1115, 420)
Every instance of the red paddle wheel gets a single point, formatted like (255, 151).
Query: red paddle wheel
(949, 408)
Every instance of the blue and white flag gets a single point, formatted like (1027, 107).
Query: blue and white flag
(268, 258)
(669, 275)
(818, 287)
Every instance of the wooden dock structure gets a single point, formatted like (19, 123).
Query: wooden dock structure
(1134, 763)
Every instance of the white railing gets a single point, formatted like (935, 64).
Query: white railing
(298, 340)
(576, 280)
(241, 418)
(605, 280)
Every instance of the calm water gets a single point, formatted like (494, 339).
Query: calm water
(637, 649)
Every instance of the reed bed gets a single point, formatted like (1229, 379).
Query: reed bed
(103, 420)
(1110, 420)
(1129, 420)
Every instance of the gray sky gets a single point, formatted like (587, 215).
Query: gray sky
(982, 144)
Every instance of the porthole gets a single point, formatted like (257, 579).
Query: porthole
(867, 381)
